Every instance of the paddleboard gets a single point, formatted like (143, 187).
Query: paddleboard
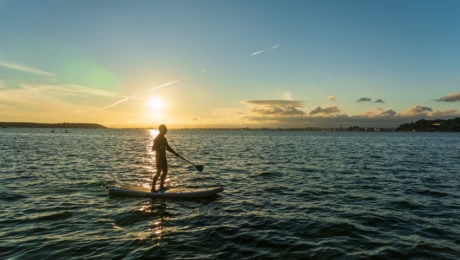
(172, 193)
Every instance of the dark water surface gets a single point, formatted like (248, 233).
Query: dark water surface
(287, 194)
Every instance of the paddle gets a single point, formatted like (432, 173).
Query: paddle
(198, 167)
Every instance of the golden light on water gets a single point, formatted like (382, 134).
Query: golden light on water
(154, 229)
(153, 133)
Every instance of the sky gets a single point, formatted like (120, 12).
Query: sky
(198, 63)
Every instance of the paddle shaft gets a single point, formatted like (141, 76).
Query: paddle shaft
(198, 167)
(184, 159)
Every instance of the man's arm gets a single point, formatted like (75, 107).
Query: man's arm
(171, 150)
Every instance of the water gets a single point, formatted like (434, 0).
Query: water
(287, 194)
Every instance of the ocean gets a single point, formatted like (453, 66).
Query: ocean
(288, 194)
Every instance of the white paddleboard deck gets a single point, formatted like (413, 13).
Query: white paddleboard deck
(172, 193)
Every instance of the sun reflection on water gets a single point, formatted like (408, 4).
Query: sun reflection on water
(156, 212)
(153, 133)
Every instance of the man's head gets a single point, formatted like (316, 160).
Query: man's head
(163, 130)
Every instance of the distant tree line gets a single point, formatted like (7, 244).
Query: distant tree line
(47, 125)
(443, 125)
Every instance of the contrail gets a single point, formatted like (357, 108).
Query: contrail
(26, 69)
(276, 46)
(265, 50)
(169, 83)
(257, 52)
(166, 84)
(116, 103)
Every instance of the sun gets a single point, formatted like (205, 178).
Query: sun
(156, 104)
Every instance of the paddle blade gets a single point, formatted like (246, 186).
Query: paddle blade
(199, 168)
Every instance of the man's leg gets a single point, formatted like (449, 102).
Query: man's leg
(155, 178)
(163, 178)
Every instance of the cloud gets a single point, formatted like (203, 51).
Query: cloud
(278, 111)
(274, 47)
(276, 107)
(388, 113)
(26, 102)
(58, 91)
(444, 114)
(325, 111)
(364, 99)
(287, 95)
(427, 112)
(379, 113)
(26, 69)
(275, 102)
(451, 97)
(331, 98)
(417, 110)
(290, 113)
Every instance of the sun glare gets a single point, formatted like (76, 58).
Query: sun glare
(156, 104)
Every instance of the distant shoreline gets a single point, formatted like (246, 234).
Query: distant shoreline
(438, 125)
(50, 125)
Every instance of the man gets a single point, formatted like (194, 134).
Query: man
(160, 146)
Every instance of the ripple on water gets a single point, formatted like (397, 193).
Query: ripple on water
(287, 195)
